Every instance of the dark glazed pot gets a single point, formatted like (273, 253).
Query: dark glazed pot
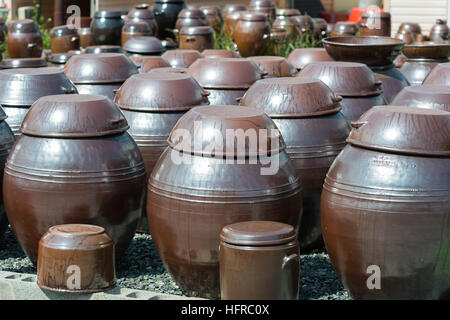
(196, 38)
(301, 57)
(147, 63)
(274, 67)
(439, 75)
(344, 29)
(23, 86)
(204, 193)
(384, 202)
(375, 23)
(226, 79)
(220, 53)
(152, 104)
(181, 58)
(190, 18)
(142, 13)
(412, 27)
(424, 96)
(106, 27)
(134, 29)
(86, 39)
(99, 74)
(307, 113)
(104, 49)
(259, 260)
(95, 174)
(143, 46)
(23, 63)
(166, 13)
(24, 39)
(64, 39)
(354, 82)
(252, 34)
(417, 70)
(86, 246)
(6, 142)
(286, 23)
(213, 17)
(439, 31)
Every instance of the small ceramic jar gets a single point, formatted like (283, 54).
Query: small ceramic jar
(196, 38)
(24, 39)
(106, 27)
(263, 6)
(142, 13)
(85, 37)
(375, 23)
(190, 18)
(252, 34)
(64, 38)
(166, 12)
(134, 29)
(213, 17)
(439, 31)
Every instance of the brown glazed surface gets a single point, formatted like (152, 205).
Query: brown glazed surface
(286, 23)
(439, 75)
(104, 49)
(390, 209)
(427, 50)
(439, 31)
(74, 163)
(86, 39)
(275, 67)
(230, 22)
(190, 18)
(374, 23)
(64, 38)
(169, 69)
(166, 12)
(392, 81)
(134, 29)
(373, 51)
(142, 13)
(23, 63)
(24, 39)
(6, 142)
(189, 203)
(147, 63)
(301, 57)
(412, 27)
(182, 58)
(213, 17)
(233, 7)
(196, 38)
(425, 96)
(343, 28)
(416, 71)
(220, 53)
(258, 262)
(86, 246)
(251, 34)
(307, 114)
(144, 45)
(21, 87)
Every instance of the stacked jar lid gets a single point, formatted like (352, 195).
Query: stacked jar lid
(181, 58)
(142, 13)
(143, 46)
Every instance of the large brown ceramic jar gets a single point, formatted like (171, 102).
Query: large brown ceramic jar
(86, 39)
(385, 203)
(259, 260)
(439, 75)
(424, 96)
(213, 17)
(152, 104)
(106, 27)
(226, 79)
(354, 82)
(74, 163)
(301, 57)
(6, 142)
(264, 6)
(23, 86)
(213, 185)
(190, 18)
(142, 13)
(24, 39)
(439, 31)
(307, 113)
(286, 23)
(166, 13)
(181, 58)
(196, 38)
(64, 39)
(101, 73)
(252, 34)
(274, 67)
(134, 29)
(375, 23)
(230, 22)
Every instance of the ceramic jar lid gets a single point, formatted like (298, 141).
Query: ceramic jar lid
(439, 75)
(192, 14)
(196, 31)
(169, 70)
(258, 233)
(274, 66)
(400, 129)
(61, 58)
(143, 44)
(344, 78)
(427, 50)
(210, 10)
(292, 97)
(252, 16)
(136, 27)
(209, 126)
(182, 58)
(261, 3)
(301, 57)
(160, 92)
(80, 236)
(63, 31)
(233, 7)
(23, 86)
(99, 68)
(220, 53)
(23, 63)
(424, 96)
(73, 116)
(146, 63)
(104, 49)
(228, 73)
(23, 26)
(108, 14)
(141, 11)
(287, 12)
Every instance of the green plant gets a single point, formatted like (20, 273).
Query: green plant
(221, 41)
(41, 22)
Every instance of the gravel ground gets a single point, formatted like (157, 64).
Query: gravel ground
(142, 269)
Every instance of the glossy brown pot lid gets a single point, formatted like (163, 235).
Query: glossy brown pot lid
(146, 63)
(191, 13)
(424, 96)
(73, 116)
(104, 49)
(344, 78)
(63, 31)
(427, 50)
(169, 70)
(23, 26)
(292, 97)
(258, 233)
(439, 75)
(252, 16)
(301, 57)
(136, 27)
(400, 129)
(99, 68)
(76, 237)
(23, 86)
(223, 118)
(61, 58)
(261, 3)
(198, 30)
(210, 10)
(141, 11)
(160, 92)
(225, 73)
(108, 14)
(274, 65)
(181, 58)
(220, 53)
(23, 63)
(287, 12)
(143, 44)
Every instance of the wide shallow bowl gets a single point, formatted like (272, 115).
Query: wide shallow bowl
(370, 50)
(76, 258)
(427, 50)
(23, 63)
(439, 75)
(274, 67)
(301, 57)
(424, 96)
(182, 58)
